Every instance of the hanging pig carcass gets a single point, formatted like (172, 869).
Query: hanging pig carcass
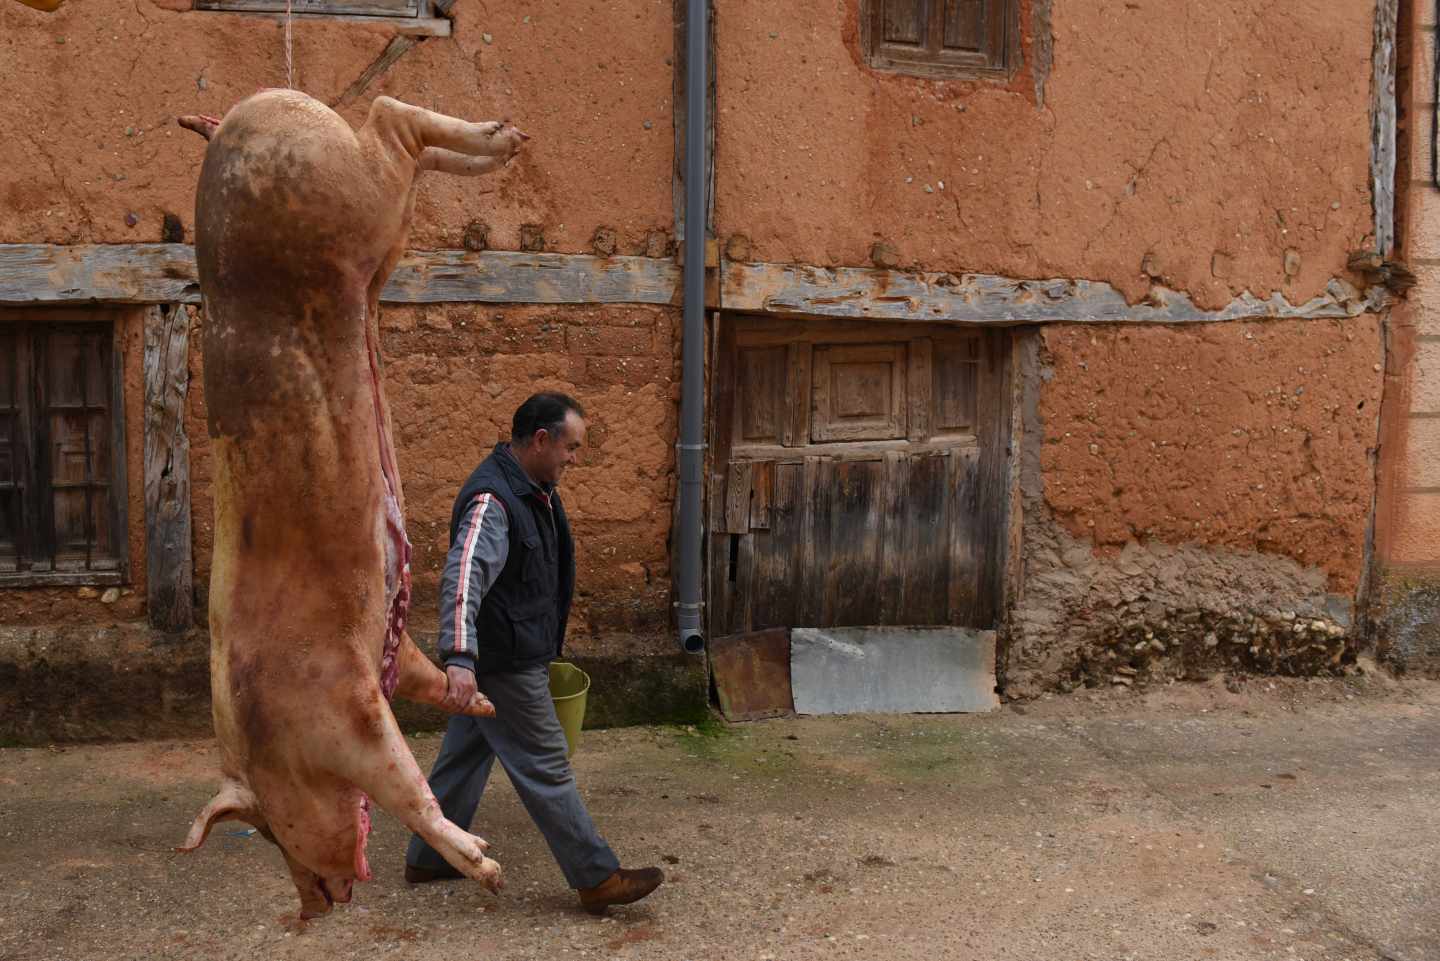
(299, 221)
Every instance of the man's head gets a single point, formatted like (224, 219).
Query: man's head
(546, 434)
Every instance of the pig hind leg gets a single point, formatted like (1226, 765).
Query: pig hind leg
(381, 765)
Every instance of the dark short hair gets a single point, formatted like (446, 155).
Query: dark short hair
(544, 411)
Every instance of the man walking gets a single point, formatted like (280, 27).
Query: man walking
(504, 600)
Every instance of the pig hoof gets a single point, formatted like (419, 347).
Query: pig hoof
(490, 876)
(479, 706)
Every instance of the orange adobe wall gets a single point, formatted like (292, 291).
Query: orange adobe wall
(1214, 137)
(93, 136)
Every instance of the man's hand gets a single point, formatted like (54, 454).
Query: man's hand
(459, 689)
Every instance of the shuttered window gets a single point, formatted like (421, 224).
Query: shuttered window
(61, 454)
(940, 38)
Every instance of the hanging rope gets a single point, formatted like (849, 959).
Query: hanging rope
(289, 54)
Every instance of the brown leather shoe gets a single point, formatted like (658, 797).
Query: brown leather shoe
(622, 887)
(416, 875)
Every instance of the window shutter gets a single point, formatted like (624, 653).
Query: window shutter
(939, 38)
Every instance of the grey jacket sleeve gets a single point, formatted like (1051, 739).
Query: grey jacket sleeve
(475, 560)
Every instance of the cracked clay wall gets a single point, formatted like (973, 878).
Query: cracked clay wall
(1194, 499)
(1229, 142)
(89, 134)
(455, 373)
(90, 153)
(1211, 148)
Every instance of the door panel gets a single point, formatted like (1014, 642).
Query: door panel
(858, 392)
(850, 483)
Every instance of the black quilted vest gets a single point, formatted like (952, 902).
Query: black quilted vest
(522, 618)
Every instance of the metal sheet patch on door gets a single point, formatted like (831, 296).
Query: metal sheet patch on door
(892, 670)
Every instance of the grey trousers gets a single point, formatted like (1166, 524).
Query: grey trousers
(527, 738)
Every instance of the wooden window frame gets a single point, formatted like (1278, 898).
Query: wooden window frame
(931, 59)
(117, 567)
(409, 17)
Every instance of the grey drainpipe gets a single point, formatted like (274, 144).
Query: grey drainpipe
(691, 449)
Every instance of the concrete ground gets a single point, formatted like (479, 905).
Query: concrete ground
(1276, 819)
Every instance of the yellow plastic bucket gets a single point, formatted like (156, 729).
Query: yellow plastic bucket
(568, 687)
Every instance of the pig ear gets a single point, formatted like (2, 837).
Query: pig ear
(235, 802)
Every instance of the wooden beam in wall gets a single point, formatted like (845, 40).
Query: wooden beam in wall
(508, 277)
(98, 273)
(168, 574)
(165, 273)
(1383, 123)
(863, 293)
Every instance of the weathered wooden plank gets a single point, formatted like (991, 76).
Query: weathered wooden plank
(1383, 115)
(717, 601)
(167, 469)
(119, 461)
(848, 450)
(737, 498)
(896, 521)
(853, 594)
(931, 506)
(166, 273)
(394, 50)
(327, 8)
(922, 363)
(743, 590)
(904, 20)
(968, 561)
(760, 395)
(494, 276)
(797, 395)
(122, 273)
(777, 570)
(62, 579)
(814, 523)
(762, 489)
(856, 292)
(993, 510)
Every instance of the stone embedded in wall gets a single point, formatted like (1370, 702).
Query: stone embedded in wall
(1157, 611)
(1157, 541)
(658, 244)
(737, 248)
(604, 242)
(477, 236)
(532, 237)
(1291, 262)
(884, 255)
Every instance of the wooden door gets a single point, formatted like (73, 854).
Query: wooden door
(857, 475)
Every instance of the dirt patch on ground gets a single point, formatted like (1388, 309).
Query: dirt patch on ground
(1192, 821)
